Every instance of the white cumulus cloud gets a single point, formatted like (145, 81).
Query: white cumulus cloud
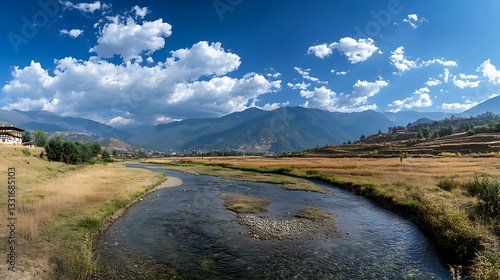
(85, 7)
(399, 60)
(73, 33)
(301, 86)
(447, 63)
(125, 37)
(305, 74)
(320, 51)
(432, 82)
(489, 71)
(464, 76)
(459, 107)
(140, 12)
(413, 20)
(326, 99)
(403, 64)
(355, 50)
(419, 99)
(465, 83)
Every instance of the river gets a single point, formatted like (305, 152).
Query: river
(186, 232)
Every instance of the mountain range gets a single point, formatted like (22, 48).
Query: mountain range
(280, 130)
(50, 122)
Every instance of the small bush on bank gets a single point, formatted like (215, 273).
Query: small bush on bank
(486, 266)
(488, 193)
(447, 184)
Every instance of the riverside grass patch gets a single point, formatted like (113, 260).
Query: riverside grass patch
(241, 203)
(314, 214)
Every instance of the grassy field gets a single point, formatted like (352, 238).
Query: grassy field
(434, 192)
(58, 208)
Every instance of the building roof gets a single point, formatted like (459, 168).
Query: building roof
(12, 127)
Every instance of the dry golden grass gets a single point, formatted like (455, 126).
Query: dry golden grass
(47, 192)
(426, 172)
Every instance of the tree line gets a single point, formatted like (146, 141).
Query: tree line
(69, 152)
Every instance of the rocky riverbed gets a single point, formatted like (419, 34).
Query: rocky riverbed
(261, 227)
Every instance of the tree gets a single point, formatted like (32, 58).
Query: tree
(40, 138)
(106, 157)
(142, 154)
(96, 149)
(54, 149)
(447, 130)
(435, 134)
(466, 125)
(70, 153)
(115, 153)
(420, 134)
(362, 137)
(426, 131)
(26, 136)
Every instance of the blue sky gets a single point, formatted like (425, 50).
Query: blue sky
(128, 63)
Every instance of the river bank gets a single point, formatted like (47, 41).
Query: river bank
(432, 192)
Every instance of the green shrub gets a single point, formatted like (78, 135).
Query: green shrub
(312, 172)
(283, 170)
(486, 266)
(447, 184)
(488, 193)
(89, 223)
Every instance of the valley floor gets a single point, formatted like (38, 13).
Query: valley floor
(434, 192)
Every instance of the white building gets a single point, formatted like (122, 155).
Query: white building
(11, 135)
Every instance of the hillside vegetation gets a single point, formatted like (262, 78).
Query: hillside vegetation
(478, 136)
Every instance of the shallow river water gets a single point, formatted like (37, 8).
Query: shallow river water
(186, 232)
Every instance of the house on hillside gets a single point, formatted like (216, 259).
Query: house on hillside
(11, 135)
(30, 144)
